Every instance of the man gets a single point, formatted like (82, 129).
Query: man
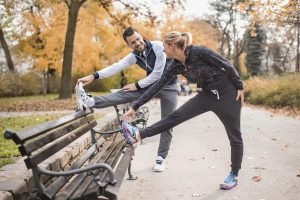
(150, 56)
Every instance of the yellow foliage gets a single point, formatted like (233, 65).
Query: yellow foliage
(203, 33)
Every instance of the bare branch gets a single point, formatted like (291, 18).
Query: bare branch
(68, 3)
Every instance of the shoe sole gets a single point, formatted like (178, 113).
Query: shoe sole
(226, 187)
(158, 170)
(79, 105)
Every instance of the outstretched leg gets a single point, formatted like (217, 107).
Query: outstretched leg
(193, 107)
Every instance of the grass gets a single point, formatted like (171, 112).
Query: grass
(7, 147)
(40, 97)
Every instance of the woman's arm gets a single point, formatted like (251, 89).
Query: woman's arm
(167, 76)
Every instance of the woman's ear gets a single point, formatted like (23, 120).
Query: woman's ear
(172, 46)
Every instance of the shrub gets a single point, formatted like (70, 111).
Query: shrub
(20, 85)
(283, 91)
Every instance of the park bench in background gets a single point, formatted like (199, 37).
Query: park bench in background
(97, 171)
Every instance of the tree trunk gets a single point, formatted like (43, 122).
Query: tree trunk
(66, 78)
(298, 41)
(4, 45)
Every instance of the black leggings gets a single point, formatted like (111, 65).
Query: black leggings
(226, 108)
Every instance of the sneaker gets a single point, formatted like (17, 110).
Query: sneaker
(130, 132)
(81, 97)
(160, 164)
(230, 182)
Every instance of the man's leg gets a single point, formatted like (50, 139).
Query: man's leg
(168, 102)
(116, 98)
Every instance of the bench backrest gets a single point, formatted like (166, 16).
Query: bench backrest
(42, 141)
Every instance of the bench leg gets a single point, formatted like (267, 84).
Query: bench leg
(130, 174)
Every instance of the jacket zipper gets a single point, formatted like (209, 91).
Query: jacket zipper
(145, 61)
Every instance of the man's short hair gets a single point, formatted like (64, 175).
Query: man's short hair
(128, 32)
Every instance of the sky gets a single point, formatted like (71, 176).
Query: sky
(193, 8)
(196, 8)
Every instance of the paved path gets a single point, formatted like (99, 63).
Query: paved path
(199, 160)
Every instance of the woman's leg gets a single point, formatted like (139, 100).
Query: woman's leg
(229, 112)
(193, 107)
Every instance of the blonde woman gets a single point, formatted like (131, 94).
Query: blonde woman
(220, 90)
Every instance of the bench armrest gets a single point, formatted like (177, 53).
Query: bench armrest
(107, 132)
(104, 166)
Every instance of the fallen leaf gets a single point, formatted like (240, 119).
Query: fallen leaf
(261, 168)
(298, 175)
(274, 139)
(256, 178)
(197, 195)
(215, 149)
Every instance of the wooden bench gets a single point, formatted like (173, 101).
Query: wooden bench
(97, 173)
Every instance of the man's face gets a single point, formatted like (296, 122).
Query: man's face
(136, 42)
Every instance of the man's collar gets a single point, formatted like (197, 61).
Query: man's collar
(147, 48)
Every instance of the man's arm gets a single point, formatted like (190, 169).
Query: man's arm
(116, 67)
(110, 70)
(166, 77)
(158, 66)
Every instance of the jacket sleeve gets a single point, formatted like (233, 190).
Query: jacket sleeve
(218, 61)
(158, 66)
(116, 67)
(166, 77)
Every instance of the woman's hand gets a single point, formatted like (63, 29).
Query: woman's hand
(240, 95)
(86, 80)
(128, 114)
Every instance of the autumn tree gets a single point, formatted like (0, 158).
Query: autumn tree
(255, 48)
(282, 17)
(6, 15)
(226, 17)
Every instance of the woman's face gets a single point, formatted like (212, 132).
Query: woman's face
(169, 49)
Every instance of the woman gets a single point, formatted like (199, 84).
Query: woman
(221, 92)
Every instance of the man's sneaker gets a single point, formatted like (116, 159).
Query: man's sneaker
(230, 182)
(81, 97)
(130, 132)
(160, 164)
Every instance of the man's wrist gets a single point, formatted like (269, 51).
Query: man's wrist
(95, 75)
(138, 87)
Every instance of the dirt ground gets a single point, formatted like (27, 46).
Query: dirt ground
(199, 160)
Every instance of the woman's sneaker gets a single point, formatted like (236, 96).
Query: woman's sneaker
(230, 182)
(130, 132)
(160, 164)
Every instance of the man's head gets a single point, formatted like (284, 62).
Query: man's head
(134, 39)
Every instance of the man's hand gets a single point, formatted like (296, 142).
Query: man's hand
(128, 114)
(129, 87)
(240, 95)
(86, 80)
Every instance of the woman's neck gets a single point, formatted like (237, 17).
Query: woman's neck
(180, 56)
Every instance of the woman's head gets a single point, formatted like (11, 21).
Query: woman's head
(174, 41)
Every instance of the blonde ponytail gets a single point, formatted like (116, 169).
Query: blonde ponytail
(181, 40)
